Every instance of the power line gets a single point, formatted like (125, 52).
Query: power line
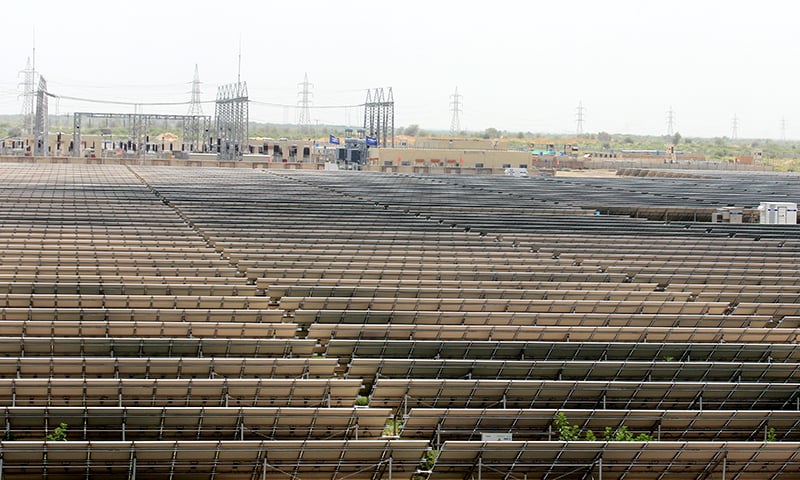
(149, 86)
(285, 105)
(195, 101)
(118, 102)
(156, 104)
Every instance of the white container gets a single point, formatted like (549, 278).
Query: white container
(778, 213)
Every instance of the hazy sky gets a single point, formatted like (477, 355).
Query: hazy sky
(520, 65)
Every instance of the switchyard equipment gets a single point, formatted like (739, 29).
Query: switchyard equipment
(40, 122)
(231, 115)
(379, 116)
(139, 125)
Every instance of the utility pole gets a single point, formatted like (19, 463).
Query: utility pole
(455, 109)
(304, 102)
(239, 67)
(670, 122)
(579, 118)
(33, 88)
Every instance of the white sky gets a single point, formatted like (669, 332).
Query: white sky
(520, 65)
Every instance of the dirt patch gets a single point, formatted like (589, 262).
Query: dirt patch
(590, 173)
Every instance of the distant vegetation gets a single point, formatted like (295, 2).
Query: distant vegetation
(783, 155)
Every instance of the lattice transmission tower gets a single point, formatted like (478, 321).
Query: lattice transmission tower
(195, 105)
(579, 118)
(456, 110)
(194, 134)
(783, 128)
(304, 105)
(670, 122)
(28, 95)
(735, 128)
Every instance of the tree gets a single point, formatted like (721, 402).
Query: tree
(491, 132)
(604, 136)
(59, 434)
(412, 130)
(676, 139)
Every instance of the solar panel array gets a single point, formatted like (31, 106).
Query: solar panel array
(237, 323)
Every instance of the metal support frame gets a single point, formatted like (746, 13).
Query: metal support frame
(40, 123)
(379, 116)
(195, 132)
(600, 468)
(724, 467)
(139, 125)
(232, 119)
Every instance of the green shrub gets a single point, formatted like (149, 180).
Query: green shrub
(429, 460)
(59, 434)
(393, 428)
(622, 434)
(771, 436)
(566, 432)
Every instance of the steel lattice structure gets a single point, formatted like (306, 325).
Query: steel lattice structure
(379, 116)
(193, 133)
(28, 96)
(232, 118)
(139, 124)
(40, 121)
(455, 108)
(304, 103)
